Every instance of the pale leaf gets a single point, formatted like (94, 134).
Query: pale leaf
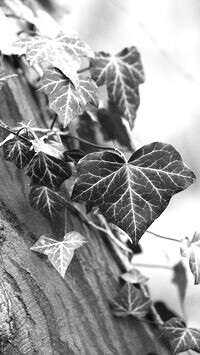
(64, 99)
(61, 253)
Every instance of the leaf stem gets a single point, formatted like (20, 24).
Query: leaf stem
(83, 70)
(153, 266)
(10, 130)
(162, 237)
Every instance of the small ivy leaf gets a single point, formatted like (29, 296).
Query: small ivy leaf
(191, 251)
(61, 52)
(180, 337)
(180, 279)
(130, 302)
(134, 276)
(132, 194)
(64, 99)
(122, 73)
(49, 203)
(47, 170)
(59, 254)
(73, 155)
(18, 150)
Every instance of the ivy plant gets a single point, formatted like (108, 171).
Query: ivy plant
(126, 189)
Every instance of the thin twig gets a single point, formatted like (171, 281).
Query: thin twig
(154, 266)
(10, 130)
(162, 237)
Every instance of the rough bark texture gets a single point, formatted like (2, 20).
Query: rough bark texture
(40, 313)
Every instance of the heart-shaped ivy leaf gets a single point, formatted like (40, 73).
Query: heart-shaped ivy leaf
(49, 203)
(191, 251)
(59, 254)
(132, 194)
(180, 337)
(18, 150)
(130, 301)
(61, 52)
(122, 73)
(47, 170)
(67, 101)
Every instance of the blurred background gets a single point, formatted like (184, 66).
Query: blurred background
(167, 34)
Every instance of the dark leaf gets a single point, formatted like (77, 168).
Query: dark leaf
(18, 150)
(73, 155)
(60, 254)
(61, 52)
(122, 73)
(180, 337)
(132, 194)
(134, 276)
(191, 251)
(113, 128)
(164, 311)
(49, 203)
(47, 170)
(180, 279)
(130, 302)
(67, 101)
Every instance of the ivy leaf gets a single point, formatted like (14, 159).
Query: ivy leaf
(191, 251)
(64, 99)
(180, 279)
(59, 254)
(73, 155)
(122, 73)
(132, 194)
(18, 150)
(47, 170)
(134, 276)
(180, 337)
(61, 52)
(113, 127)
(49, 203)
(130, 302)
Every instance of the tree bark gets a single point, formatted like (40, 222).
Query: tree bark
(41, 313)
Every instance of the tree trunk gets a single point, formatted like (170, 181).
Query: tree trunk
(40, 312)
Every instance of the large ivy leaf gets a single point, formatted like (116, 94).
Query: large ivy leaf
(180, 337)
(47, 170)
(132, 194)
(180, 279)
(61, 52)
(67, 101)
(191, 251)
(49, 203)
(122, 73)
(130, 302)
(18, 150)
(59, 254)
